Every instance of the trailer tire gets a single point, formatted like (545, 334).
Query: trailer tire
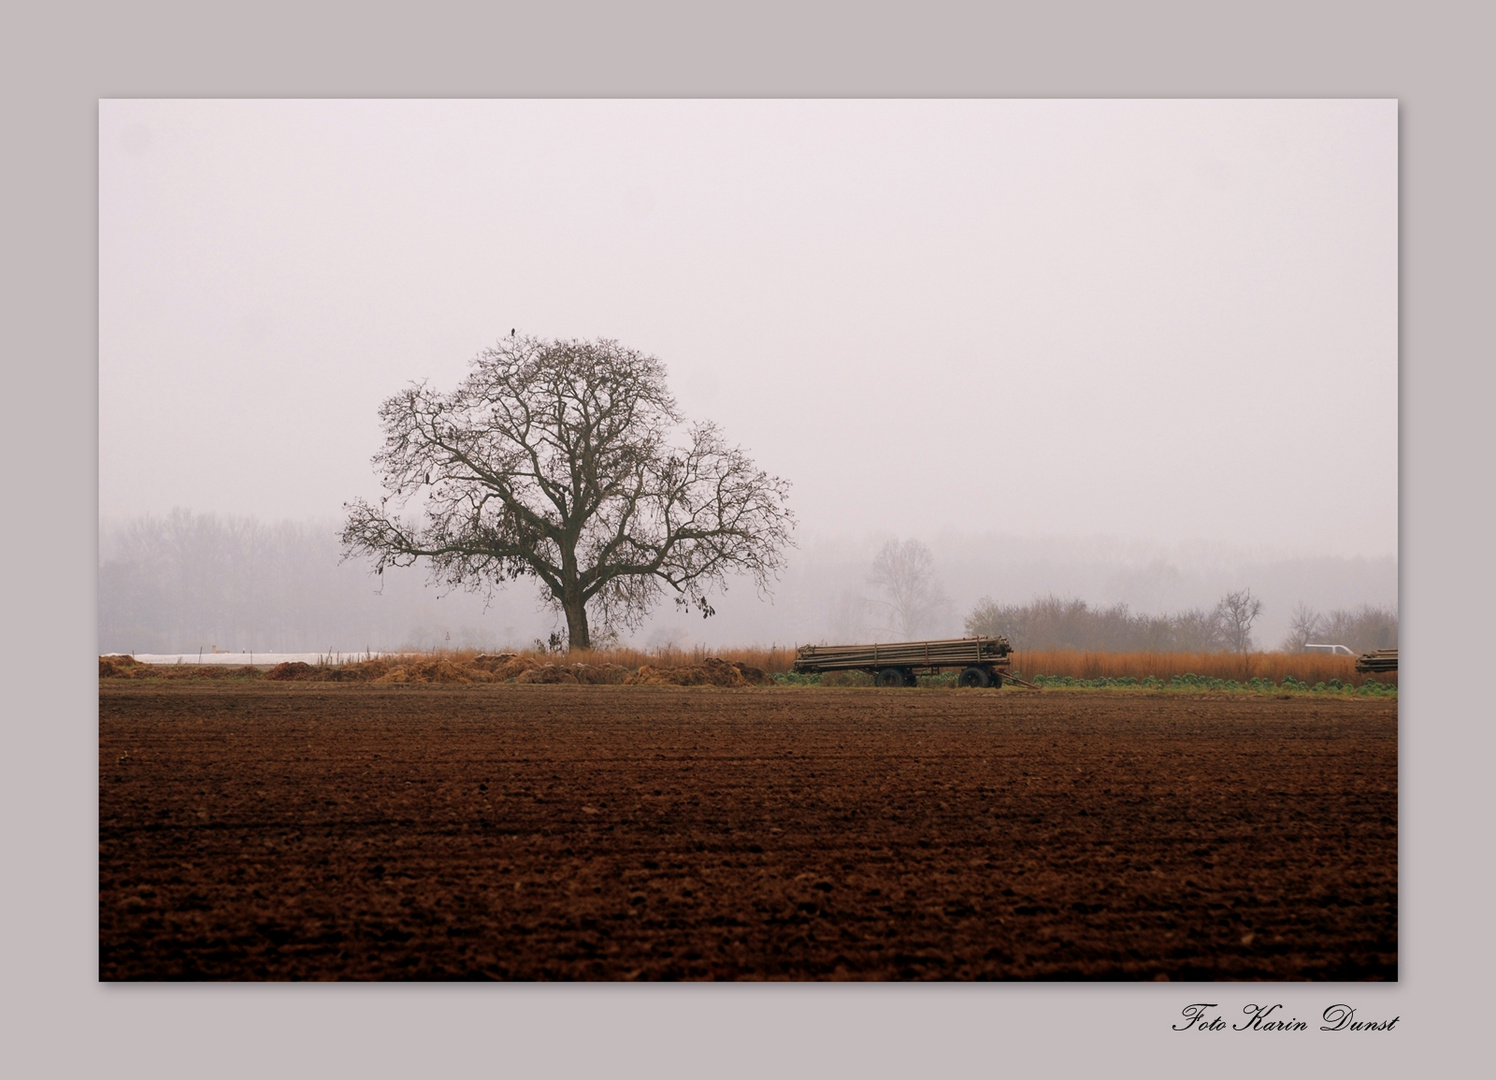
(892, 676)
(974, 676)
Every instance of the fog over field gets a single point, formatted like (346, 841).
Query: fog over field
(195, 582)
(1137, 352)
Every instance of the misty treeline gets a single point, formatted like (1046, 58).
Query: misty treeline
(903, 572)
(188, 581)
(1361, 629)
(1050, 622)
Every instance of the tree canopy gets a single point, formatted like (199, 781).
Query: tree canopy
(568, 462)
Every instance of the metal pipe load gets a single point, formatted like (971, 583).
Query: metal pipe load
(1377, 660)
(932, 655)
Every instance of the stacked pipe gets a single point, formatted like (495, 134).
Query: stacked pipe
(1378, 660)
(950, 652)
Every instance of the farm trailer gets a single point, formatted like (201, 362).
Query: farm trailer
(1379, 660)
(983, 661)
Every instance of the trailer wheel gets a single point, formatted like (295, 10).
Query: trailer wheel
(974, 676)
(892, 676)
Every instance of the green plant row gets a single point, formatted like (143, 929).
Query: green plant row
(1151, 682)
(1207, 682)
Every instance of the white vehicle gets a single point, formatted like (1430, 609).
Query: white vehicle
(1333, 650)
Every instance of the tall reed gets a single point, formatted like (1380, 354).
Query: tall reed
(1308, 668)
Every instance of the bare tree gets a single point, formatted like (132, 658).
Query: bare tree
(1362, 629)
(989, 619)
(903, 571)
(850, 614)
(1196, 630)
(567, 462)
(1303, 627)
(1237, 611)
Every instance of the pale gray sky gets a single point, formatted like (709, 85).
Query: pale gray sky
(1157, 320)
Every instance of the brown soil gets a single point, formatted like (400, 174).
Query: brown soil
(712, 671)
(300, 830)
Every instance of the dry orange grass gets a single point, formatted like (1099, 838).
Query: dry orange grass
(1310, 668)
(771, 659)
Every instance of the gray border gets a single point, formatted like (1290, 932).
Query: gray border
(64, 60)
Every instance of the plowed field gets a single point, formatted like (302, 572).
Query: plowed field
(316, 831)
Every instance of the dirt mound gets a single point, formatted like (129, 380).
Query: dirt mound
(548, 673)
(653, 676)
(292, 671)
(713, 671)
(208, 671)
(512, 668)
(485, 668)
(362, 671)
(751, 675)
(379, 671)
(123, 667)
(589, 674)
(434, 671)
(492, 662)
(600, 674)
(127, 667)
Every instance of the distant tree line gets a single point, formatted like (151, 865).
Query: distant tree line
(190, 581)
(1361, 629)
(1050, 622)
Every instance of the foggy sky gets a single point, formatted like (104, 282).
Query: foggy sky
(1165, 321)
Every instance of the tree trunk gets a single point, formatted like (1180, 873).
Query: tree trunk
(572, 600)
(576, 621)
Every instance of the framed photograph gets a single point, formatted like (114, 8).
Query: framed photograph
(808, 540)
